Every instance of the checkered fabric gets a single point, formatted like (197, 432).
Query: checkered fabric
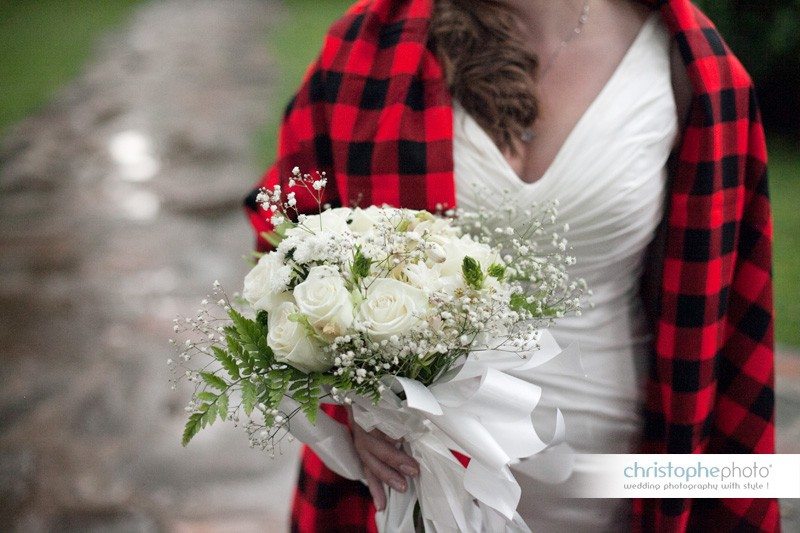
(374, 112)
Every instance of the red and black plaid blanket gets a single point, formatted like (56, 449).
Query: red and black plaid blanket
(374, 112)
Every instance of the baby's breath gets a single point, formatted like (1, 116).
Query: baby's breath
(472, 283)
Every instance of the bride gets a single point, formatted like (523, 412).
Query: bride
(644, 127)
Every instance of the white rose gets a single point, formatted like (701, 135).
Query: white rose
(437, 228)
(324, 299)
(266, 281)
(290, 342)
(363, 220)
(422, 277)
(392, 308)
(450, 284)
(332, 220)
(455, 251)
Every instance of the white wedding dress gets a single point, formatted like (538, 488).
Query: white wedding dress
(609, 177)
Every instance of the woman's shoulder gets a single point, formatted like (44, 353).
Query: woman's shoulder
(701, 47)
(681, 87)
(367, 37)
(371, 19)
(354, 15)
(703, 66)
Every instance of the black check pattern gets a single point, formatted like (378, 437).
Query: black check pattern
(374, 112)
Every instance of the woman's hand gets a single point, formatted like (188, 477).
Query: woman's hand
(383, 462)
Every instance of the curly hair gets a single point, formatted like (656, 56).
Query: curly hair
(487, 66)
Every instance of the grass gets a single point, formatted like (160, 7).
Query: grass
(43, 44)
(295, 45)
(784, 171)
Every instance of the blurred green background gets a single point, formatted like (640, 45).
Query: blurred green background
(43, 45)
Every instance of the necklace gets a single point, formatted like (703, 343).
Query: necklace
(527, 134)
(574, 33)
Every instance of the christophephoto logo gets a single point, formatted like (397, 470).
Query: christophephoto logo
(669, 475)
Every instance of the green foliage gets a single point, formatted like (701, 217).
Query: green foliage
(252, 258)
(272, 237)
(192, 428)
(260, 380)
(306, 392)
(275, 236)
(209, 414)
(302, 319)
(765, 36)
(252, 337)
(294, 50)
(237, 352)
(471, 270)
(361, 266)
(43, 44)
(784, 187)
(403, 225)
(247, 354)
(227, 361)
(206, 396)
(214, 380)
(248, 396)
(497, 271)
(262, 317)
(277, 383)
(222, 406)
(520, 302)
(759, 32)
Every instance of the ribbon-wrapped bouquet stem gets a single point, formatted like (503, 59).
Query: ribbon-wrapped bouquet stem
(429, 326)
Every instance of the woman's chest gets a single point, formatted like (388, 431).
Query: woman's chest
(569, 86)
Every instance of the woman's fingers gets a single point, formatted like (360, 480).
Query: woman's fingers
(384, 472)
(379, 456)
(384, 449)
(381, 435)
(375, 489)
(383, 462)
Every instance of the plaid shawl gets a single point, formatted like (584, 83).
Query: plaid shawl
(375, 113)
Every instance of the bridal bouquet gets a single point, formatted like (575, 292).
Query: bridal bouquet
(426, 325)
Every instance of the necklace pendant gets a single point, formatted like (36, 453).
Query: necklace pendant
(527, 135)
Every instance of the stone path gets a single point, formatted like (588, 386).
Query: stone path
(120, 206)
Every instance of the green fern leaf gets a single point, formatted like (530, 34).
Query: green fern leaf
(210, 415)
(253, 338)
(192, 428)
(206, 396)
(227, 362)
(214, 380)
(222, 406)
(237, 351)
(248, 396)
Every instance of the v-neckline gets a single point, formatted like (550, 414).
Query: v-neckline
(587, 112)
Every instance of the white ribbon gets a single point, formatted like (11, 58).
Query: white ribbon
(483, 410)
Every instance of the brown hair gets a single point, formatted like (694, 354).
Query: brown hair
(487, 66)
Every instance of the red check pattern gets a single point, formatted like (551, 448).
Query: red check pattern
(374, 112)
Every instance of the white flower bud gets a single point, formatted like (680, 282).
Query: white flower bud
(436, 252)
